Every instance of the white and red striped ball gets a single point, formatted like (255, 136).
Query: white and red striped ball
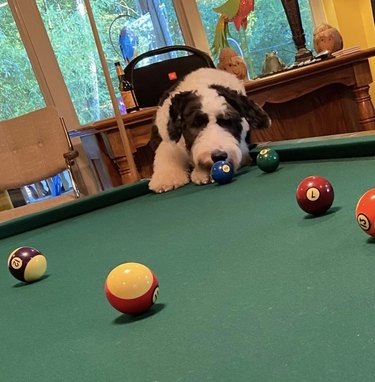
(27, 264)
(131, 288)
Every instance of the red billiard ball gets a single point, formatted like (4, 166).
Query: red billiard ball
(222, 172)
(131, 288)
(365, 212)
(315, 195)
(27, 264)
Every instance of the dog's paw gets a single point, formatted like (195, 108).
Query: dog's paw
(168, 182)
(200, 176)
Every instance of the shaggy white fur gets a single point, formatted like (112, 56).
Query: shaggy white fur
(205, 116)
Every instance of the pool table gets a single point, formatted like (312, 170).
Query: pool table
(251, 288)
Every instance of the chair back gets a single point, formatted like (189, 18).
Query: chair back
(152, 81)
(32, 148)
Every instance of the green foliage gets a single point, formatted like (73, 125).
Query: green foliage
(71, 38)
(19, 90)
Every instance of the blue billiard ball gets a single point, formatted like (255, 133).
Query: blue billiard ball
(222, 172)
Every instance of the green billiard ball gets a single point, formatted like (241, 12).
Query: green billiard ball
(268, 160)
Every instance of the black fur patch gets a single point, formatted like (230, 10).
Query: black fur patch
(231, 122)
(248, 109)
(186, 117)
(166, 94)
(155, 139)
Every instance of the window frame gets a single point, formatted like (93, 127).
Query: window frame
(42, 59)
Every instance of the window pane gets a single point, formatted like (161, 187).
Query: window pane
(142, 25)
(20, 91)
(268, 30)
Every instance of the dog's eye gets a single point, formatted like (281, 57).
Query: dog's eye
(199, 120)
(224, 121)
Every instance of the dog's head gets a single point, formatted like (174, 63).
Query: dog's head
(214, 123)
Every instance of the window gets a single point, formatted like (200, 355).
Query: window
(142, 25)
(268, 30)
(146, 24)
(20, 91)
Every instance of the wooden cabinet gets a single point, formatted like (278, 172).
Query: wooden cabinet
(325, 98)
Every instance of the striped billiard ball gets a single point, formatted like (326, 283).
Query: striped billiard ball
(27, 264)
(131, 288)
(365, 212)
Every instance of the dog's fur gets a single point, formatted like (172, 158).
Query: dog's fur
(206, 118)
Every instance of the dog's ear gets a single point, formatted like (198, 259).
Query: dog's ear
(256, 117)
(167, 93)
(182, 105)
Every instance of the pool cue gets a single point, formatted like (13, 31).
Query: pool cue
(134, 175)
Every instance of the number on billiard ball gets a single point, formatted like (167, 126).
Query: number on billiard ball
(365, 212)
(131, 288)
(27, 264)
(222, 172)
(315, 195)
(268, 160)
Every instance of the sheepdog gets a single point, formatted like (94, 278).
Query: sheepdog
(207, 117)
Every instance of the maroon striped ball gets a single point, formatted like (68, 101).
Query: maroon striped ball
(27, 264)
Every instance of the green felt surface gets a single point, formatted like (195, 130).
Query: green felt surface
(251, 289)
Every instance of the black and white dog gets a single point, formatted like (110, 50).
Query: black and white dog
(206, 118)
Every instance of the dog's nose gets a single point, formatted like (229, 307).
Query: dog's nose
(218, 155)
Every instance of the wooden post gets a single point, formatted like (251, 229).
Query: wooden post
(120, 123)
(293, 14)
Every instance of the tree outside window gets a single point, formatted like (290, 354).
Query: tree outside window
(20, 91)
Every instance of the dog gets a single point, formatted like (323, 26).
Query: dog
(205, 118)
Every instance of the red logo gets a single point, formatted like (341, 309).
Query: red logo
(172, 76)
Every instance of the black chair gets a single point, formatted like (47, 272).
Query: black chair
(151, 81)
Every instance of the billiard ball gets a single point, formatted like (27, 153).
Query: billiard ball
(222, 172)
(315, 195)
(268, 160)
(131, 288)
(365, 212)
(27, 264)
